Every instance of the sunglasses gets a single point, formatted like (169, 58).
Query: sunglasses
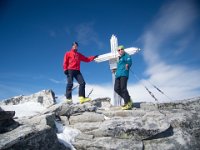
(120, 50)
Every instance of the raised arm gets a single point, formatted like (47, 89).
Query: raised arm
(86, 59)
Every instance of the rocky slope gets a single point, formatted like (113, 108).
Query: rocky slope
(147, 126)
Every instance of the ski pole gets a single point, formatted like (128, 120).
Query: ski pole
(90, 92)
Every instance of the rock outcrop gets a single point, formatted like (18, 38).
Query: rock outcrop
(7, 123)
(33, 133)
(45, 97)
(147, 126)
(174, 125)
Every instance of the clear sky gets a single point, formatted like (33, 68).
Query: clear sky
(35, 34)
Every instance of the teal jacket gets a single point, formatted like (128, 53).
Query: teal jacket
(121, 65)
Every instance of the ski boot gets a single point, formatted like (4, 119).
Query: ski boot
(84, 99)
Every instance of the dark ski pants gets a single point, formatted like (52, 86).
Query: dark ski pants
(79, 78)
(120, 88)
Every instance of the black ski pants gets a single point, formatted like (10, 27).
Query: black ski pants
(120, 88)
(79, 78)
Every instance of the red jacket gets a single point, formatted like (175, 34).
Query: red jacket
(73, 58)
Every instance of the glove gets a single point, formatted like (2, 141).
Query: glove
(96, 56)
(66, 72)
(113, 70)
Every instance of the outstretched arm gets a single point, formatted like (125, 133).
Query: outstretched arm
(86, 59)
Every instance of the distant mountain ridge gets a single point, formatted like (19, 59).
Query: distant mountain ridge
(44, 97)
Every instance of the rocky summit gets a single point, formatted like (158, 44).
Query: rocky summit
(148, 126)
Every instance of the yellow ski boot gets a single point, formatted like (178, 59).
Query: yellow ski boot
(128, 106)
(130, 103)
(84, 99)
(68, 101)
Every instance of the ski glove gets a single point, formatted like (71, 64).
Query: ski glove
(66, 72)
(96, 56)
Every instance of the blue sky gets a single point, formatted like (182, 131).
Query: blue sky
(34, 36)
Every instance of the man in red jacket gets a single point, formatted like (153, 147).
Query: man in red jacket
(71, 66)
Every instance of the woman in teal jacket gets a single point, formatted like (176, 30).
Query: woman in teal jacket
(121, 77)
